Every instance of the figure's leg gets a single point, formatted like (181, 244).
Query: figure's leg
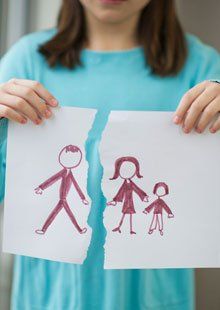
(73, 219)
(119, 226)
(160, 223)
(132, 232)
(153, 224)
(50, 219)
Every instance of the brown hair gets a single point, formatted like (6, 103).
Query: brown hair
(159, 32)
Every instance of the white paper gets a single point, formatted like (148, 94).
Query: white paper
(32, 158)
(189, 165)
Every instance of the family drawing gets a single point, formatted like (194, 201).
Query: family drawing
(127, 168)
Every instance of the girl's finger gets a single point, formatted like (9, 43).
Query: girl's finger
(28, 95)
(12, 115)
(21, 106)
(39, 89)
(216, 126)
(196, 108)
(187, 100)
(208, 114)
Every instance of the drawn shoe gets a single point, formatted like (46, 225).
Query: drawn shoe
(117, 229)
(83, 231)
(161, 232)
(40, 232)
(132, 232)
(150, 231)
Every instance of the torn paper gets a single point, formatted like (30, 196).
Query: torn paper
(46, 203)
(162, 191)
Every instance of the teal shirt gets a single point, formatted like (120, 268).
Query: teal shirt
(107, 81)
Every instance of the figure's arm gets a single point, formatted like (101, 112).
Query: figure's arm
(120, 194)
(143, 196)
(150, 207)
(118, 197)
(167, 209)
(78, 189)
(51, 180)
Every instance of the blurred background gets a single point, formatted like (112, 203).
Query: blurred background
(17, 17)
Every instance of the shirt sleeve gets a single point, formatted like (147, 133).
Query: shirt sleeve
(16, 63)
(204, 60)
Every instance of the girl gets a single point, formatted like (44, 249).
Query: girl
(107, 55)
(127, 173)
(160, 189)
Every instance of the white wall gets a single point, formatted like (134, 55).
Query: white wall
(43, 14)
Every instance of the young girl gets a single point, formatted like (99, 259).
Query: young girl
(127, 168)
(160, 189)
(107, 55)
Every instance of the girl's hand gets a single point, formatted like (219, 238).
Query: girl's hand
(38, 191)
(111, 203)
(170, 215)
(199, 107)
(145, 212)
(21, 100)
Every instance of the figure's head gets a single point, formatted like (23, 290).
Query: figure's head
(70, 156)
(161, 189)
(126, 167)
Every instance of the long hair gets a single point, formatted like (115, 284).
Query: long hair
(159, 33)
(120, 161)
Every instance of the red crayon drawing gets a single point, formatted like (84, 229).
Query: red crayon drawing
(69, 158)
(160, 189)
(127, 168)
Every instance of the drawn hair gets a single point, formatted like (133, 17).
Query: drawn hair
(71, 148)
(121, 160)
(161, 184)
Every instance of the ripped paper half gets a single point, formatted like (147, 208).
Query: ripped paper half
(162, 190)
(46, 200)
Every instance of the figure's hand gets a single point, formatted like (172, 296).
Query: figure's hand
(145, 212)
(85, 202)
(111, 203)
(170, 215)
(38, 191)
(199, 107)
(146, 199)
(21, 100)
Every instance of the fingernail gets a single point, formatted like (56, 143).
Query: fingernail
(176, 119)
(54, 102)
(212, 130)
(186, 130)
(48, 113)
(23, 121)
(37, 121)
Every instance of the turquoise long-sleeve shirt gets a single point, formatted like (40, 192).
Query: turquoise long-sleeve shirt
(119, 80)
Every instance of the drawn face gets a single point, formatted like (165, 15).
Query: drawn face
(70, 158)
(127, 170)
(160, 191)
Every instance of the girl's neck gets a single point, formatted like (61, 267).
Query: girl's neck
(103, 36)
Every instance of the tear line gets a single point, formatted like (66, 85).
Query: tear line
(98, 200)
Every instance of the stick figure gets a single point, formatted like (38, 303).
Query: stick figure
(69, 158)
(160, 189)
(127, 168)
